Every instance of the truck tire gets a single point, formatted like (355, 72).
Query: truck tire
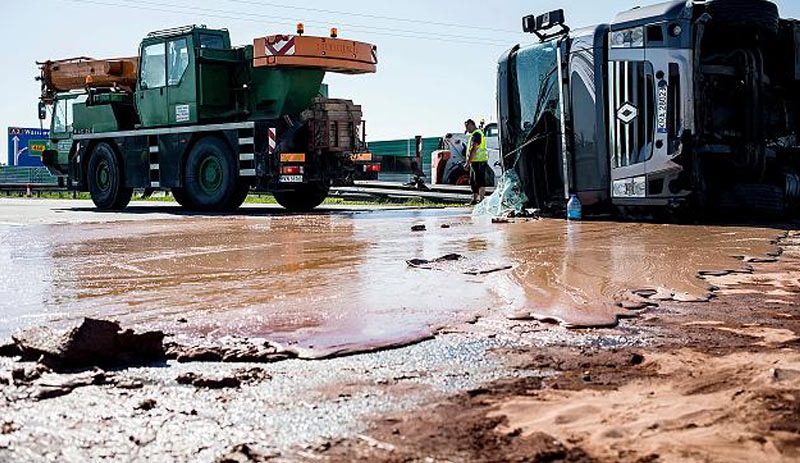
(211, 177)
(303, 198)
(759, 15)
(236, 201)
(753, 200)
(106, 181)
(180, 196)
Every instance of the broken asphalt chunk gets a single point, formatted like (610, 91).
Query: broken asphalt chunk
(208, 382)
(93, 342)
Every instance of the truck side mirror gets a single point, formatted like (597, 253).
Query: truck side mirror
(538, 24)
(42, 111)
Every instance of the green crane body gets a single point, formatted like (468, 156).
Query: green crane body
(191, 84)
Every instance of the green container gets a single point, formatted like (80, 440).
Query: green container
(406, 148)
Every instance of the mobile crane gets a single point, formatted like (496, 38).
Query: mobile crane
(207, 121)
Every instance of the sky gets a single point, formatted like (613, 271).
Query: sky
(437, 59)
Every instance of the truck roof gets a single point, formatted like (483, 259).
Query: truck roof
(181, 30)
(666, 10)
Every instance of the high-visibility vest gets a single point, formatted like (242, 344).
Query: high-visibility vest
(482, 153)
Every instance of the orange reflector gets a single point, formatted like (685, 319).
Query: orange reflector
(293, 157)
(291, 170)
(362, 157)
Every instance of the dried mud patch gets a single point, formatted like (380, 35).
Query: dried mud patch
(716, 382)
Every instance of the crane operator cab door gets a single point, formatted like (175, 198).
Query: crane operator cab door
(167, 89)
(151, 95)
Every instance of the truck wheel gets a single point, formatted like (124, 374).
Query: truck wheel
(105, 179)
(304, 198)
(759, 15)
(753, 200)
(181, 197)
(239, 195)
(210, 175)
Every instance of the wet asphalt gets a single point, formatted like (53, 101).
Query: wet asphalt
(64, 261)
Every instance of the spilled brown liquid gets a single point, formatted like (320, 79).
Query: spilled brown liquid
(577, 273)
(340, 282)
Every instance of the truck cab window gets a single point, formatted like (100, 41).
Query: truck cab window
(63, 113)
(178, 61)
(60, 116)
(154, 66)
(213, 42)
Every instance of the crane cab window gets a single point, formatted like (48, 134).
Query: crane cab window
(212, 42)
(60, 116)
(178, 61)
(62, 113)
(154, 66)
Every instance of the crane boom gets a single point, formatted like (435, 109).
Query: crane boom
(81, 73)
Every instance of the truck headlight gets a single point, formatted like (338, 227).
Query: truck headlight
(628, 38)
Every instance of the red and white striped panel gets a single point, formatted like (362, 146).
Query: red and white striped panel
(279, 45)
(272, 137)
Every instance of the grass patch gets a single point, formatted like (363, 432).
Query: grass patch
(269, 199)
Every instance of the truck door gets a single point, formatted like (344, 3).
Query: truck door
(181, 89)
(631, 120)
(151, 99)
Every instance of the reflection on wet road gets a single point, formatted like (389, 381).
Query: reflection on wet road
(576, 272)
(335, 281)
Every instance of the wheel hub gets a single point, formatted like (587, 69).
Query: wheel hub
(210, 174)
(103, 176)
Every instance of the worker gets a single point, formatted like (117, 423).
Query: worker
(477, 160)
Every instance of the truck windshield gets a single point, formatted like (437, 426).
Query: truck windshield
(533, 92)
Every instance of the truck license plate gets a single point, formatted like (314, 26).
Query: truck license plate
(291, 179)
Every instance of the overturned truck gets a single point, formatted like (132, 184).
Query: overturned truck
(680, 107)
(208, 121)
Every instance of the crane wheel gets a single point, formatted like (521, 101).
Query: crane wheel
(303, 198)
(106, 181)
(211, 177)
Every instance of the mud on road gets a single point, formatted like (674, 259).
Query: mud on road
(543, 341)
(714, 382)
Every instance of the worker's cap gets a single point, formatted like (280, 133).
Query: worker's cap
(469, 121)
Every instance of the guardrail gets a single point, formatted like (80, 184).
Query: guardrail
(15, 176)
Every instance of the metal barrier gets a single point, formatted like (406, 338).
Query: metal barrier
(27, 176)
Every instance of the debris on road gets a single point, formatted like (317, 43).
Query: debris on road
(458, 263)
(8, 348)
(208, 382)
(92, 343)
(247, 453)
(227, 349)
(147, 405)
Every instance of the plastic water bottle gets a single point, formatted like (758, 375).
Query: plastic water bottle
(574, 208)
